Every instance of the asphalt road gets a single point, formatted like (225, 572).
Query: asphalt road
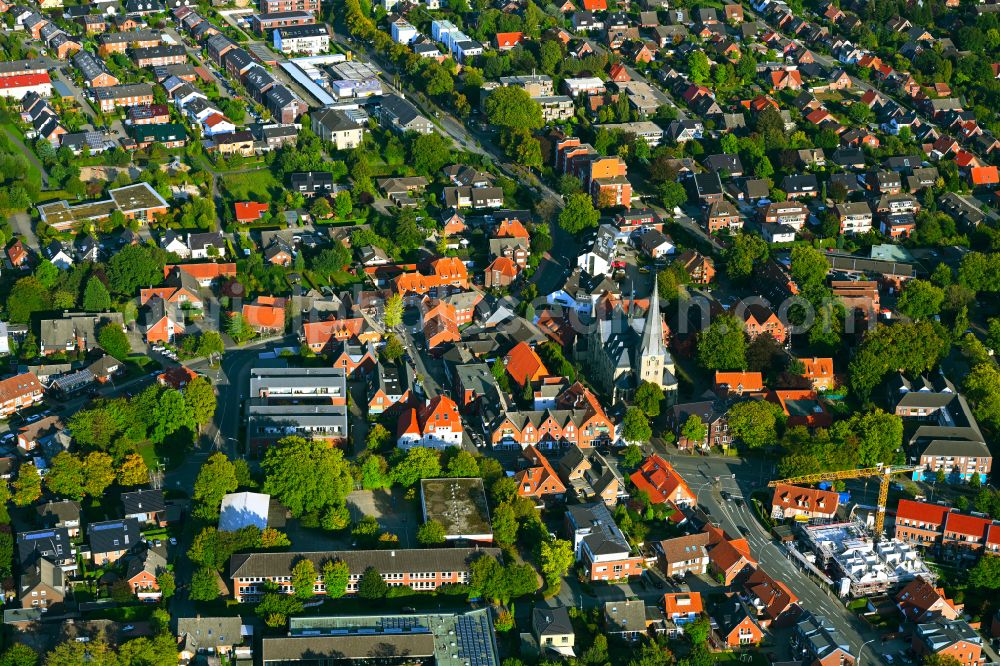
(739, 478)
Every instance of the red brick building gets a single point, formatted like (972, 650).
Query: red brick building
(424, 569)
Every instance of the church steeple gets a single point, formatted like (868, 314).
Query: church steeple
(652, 331)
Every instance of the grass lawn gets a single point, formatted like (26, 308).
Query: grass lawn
(749, 658)
(124, 614)
(257, 185)
(148, 452)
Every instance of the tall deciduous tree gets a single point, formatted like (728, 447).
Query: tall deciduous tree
(754, 422)
(216, 478)
(371, 585)
(306, 475)
(635, 426)
(28, 486)
(723, 345)
(579, 214)
(513, 108)
(96, 297)
(303, 578)
(200, 398)
(393, 311)
(113, 340)
(419, 462)
(336, 575)
(133, 471)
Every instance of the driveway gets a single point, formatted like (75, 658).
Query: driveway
(23, 227)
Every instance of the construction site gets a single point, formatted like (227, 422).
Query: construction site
(859, 565)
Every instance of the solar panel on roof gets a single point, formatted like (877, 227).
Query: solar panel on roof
(104, 528)
(39, 535)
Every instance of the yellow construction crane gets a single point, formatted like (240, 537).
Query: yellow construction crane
(883, 472)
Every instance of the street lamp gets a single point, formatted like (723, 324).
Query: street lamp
(858, 661)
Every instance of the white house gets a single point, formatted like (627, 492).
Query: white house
(403, 32)
(171, 242)
(241, 510)
(777, 233)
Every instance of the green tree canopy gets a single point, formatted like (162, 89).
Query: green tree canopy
(216, 478)
(579, 214)
(411, 465)
(306, 475)
(723, 345)
(513, 108)
(96, 297)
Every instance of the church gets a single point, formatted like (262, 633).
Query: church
(624, 350)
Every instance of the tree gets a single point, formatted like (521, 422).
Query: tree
(371, 585)
(303, 578)
(418, 462)
(204, 585)
(982, 388)
(321, 208)
(429, 153)
(19, 654)
(631, 456)
(635, 426)
(754, 422)
(209, 343)
(272, 538)
(579, 213)
(912, 347)
(336, 575)
(393, 311)
(513, 108)
(648, 398)
(920, 299)
(941, 659)
(47, 273)
(167, 584)
(556, 559)
(238, 328)
(694, 430)
(216, 478)
(746, 251)
(697, 632)
(879, 436)
(170, 415)
(505, 524)
(343, 204)
(65, 476)
(986, 574)
(28, 486)
(96, 297)
(463, 464)
(201, 401)
(113, 340)
(672, 194)
(135, 266)
(306, 475)
(723, 345)
(28, 296)
(377, 438)
(133, 471)
(431, 533)
(98, 473)
(809, 266)
(699, 67)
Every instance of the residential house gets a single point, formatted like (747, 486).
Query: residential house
(658, 478)
(538, 481)
(797, 502)
(110, 540)
(435, 424)
(599, 544)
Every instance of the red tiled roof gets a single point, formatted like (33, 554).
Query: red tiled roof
(535, 477)
(203, 271)
(817, 367)
(595, 5)
(922, 512)
(24, 80)
(682, 602)
(812, 500)
(968, 525)
(658, 478)
(749, 381)
(508, 39)
(523, 364)
(249, 211)
(987, 175)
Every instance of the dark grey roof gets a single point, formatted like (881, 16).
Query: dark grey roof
(52, 543)
(53, 513)
(143, 501)
(415, 647)
(114, 535)
(551, 621)
(253, 565)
